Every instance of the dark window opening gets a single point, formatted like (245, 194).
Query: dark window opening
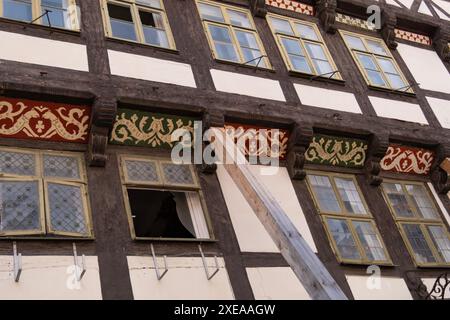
(160, 214)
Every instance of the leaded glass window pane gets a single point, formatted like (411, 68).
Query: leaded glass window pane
(306, 32)
(370, 241)
(209, 12)
(355, 43)
(376, 47)
(122, 24)
(398, 199)
(58, 13)
(417, 240)
(296, 55)
(17, 10)
(17, 163)
(153, 27)
(223, 43)
(343, 238)
(177, 174)
(61, 166)
(441, 241)
(144, 171)
(422, 202)
(239, 19)
(282, 26)
(350, 196)
(324, 192)
(20, 206)
(250, 48)
(67, 213)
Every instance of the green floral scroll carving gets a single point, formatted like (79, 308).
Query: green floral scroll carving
(154, 130)
(335, 151)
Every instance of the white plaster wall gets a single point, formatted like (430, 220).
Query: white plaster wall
(276, 284)
(185, 280)
(429, 283)
(441, 109)
(329, 99)
(27, 49)
(151, 69)
(365, 288)
(251, 234)
(399, 110)
(232, 82)
(49, 278)
(426, 67)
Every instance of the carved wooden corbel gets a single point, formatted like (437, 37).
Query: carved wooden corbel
(326, 12)
(299, 142)
(258, 8)
(439, 177)
(441, 42)
(378, 146)
(104, 113)
(211, 119)
(388, 24)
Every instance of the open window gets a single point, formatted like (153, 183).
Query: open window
(163, 199)
(43, 193)
(142, 21)
(55, 13)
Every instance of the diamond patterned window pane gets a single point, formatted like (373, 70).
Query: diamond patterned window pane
(66, 208)
(61, 166)
(177, 174)
(20, 208)
(17, 163)
(141, 171)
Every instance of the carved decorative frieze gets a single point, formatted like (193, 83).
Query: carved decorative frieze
(292, 5)
(403, 159)
(141, 128)
(258, 141)
(412, 37)
(336, 151)
(28, 119)
(355, 22)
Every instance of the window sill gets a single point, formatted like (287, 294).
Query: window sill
(437, 266)
(40, 26)
(34, 238)
(143, 239)
(313, 77)
(366, 264)
(387, 90)
(248, 66)
(133, 44)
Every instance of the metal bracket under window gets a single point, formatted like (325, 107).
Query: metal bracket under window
(158, 274)
(258, 58)
(205, 265)
(79, 275)
(406, 88)
(17, 263)
(331, 74)
(46, 12)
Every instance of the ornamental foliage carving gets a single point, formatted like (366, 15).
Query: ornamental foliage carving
(403, 159)
(154, 130)
(337, 151)
(256, 141)
(27, 119)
